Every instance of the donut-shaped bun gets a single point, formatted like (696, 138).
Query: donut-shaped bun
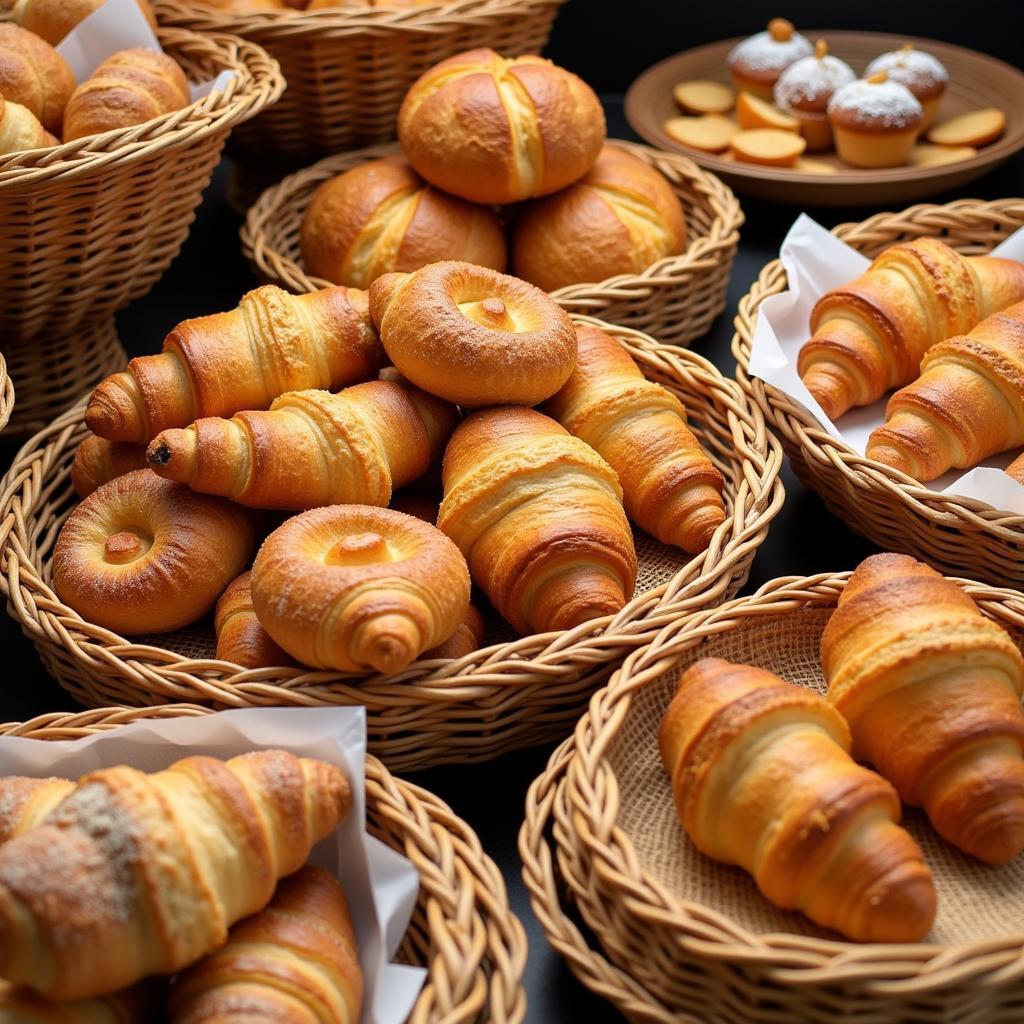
(619, 219)
(474, 336)
(355, 588)
(145, 555)
(498, 130)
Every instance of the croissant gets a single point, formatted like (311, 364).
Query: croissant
(136, 874)
(218, 365)
(240, 637)
(35, 75)
(136, 1005)
(25, 802)
(98, 461)
(294, 962)
(670, 487)
(762, 778)
(312, 448)
(967, 404)
(54, 19)
(20, 129)
(931, 690)
(538, 515)
(871, 335)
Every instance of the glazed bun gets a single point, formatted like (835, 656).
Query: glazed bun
(35, 75)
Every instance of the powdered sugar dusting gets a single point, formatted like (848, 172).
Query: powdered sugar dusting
(886, 103)
(812, 78)
(912, 68)
(762, 52)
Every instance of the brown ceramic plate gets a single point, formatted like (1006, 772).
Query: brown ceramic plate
(975, 81)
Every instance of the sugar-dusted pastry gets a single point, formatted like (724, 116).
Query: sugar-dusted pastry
(25, 802)
(382, 217)
(805, 89)
(762, 778)
(875, 122)
(922, 73)
(757, 62)
(618, 219)
(240, 637)
(35, 75)
(710, 133)
(52, 20)
(752, 112)
(977, 128)
(768, 146)
(20, 129)
(704, 97)
(98, 460)
(497, 130)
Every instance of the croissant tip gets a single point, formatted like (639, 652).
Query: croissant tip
(890, 456)
(158, 454)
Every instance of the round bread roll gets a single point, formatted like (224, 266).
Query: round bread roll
(52, 20)
(145, 555)
(498, 130)
(357, 588)
(472, 335)
(383, 217)
(35, 75)
(619, 219)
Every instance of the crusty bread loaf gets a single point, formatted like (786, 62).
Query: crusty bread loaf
(35, 75)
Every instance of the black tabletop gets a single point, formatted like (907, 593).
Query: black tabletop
(210, 275)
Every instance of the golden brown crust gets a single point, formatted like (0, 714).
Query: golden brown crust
(35, 75)
(20, 129)
(469, 637)
(52, 20)
(240, 637)
(145, 555)
(98, 461)
(24, 802)
(136, 1005)
(1016, 469)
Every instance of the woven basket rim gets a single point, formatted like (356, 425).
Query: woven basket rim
(703, 252)
(258, 82)
(478, 943)
(6, 393)
(878, 969)
(796, 423)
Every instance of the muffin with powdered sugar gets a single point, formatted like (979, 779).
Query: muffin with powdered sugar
(922, 73)
(875, 122)
(757, 62)
(804, 91)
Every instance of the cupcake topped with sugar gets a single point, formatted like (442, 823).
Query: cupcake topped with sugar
(873, 103)
(923, 74)
(809, 84)
(757, 62)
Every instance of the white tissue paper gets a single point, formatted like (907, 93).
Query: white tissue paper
(119, 25)
(815, 262)
(381, 885)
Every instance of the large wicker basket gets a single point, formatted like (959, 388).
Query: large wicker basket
(956, 535)
(675, 299)
(697, 935)
(6, 393)
(512, 693)
(348, 69)
(88, 226)
(462, 930)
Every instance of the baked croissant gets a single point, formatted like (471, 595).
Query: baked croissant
(669, 486)
(135, 874)
(295, 962)
(312, 448)
(240, 637)
(538, 515)
(967, 404)
(25, 802)
(218, 365)
(871, 335)
(762, 778)
(20, 129)
(35, 75)
(135, 1005)
(98, 461)
(931, 689)
(54, 19)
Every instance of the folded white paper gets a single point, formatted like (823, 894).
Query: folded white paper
(381, 885)
(815, 262)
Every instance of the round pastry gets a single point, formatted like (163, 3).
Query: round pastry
(240, 637)
(383, 217)
(924, 75)
(355, 588)
(35, 75)
(757, 62)
(20, 129)
(52, 20)
(619, 219)
(144, 555)
(875, 122)
(805, 88)
(498, 130)
(472, 335)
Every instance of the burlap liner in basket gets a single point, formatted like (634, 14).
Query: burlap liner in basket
(512, 693)
(6, 393)
(348, 69)
(674, 299)
(90, 225)
(697, 935)
(462, 930)
(956, 535)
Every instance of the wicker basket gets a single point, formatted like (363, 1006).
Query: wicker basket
(514, 692)
(88, 226)
(956, 535)
(675, 299)
(349, 69)
(6, 394)
(696, 934)
(462, 930)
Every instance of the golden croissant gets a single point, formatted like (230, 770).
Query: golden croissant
(134, 874)
(871, 334)
(931, 689)
(669, 486)
(762, 778)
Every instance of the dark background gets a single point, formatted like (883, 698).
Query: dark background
(608, 44)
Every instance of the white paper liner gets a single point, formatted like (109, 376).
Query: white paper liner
(381, 885)
(119, 25)
(815, 262)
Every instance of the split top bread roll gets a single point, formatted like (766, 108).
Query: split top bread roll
(762, 778)
(382, 217)
(145, 555)
(356, 588)
(35, 75)
(618, 219)
(931, 689)
(472, 335)
(54, 19)
(538, 515)
(497, 130)
(871, 335)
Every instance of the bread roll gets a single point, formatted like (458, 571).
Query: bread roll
(52, 20)
(20, 129)
(497, 130)
(35, 75)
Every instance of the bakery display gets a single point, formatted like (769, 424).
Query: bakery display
(52, 20)
(97, 461)
(921, 72)
(875, 122)
(34, 75)
(757, 63)
(763, 778)
(804, 90)
(240, 637)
